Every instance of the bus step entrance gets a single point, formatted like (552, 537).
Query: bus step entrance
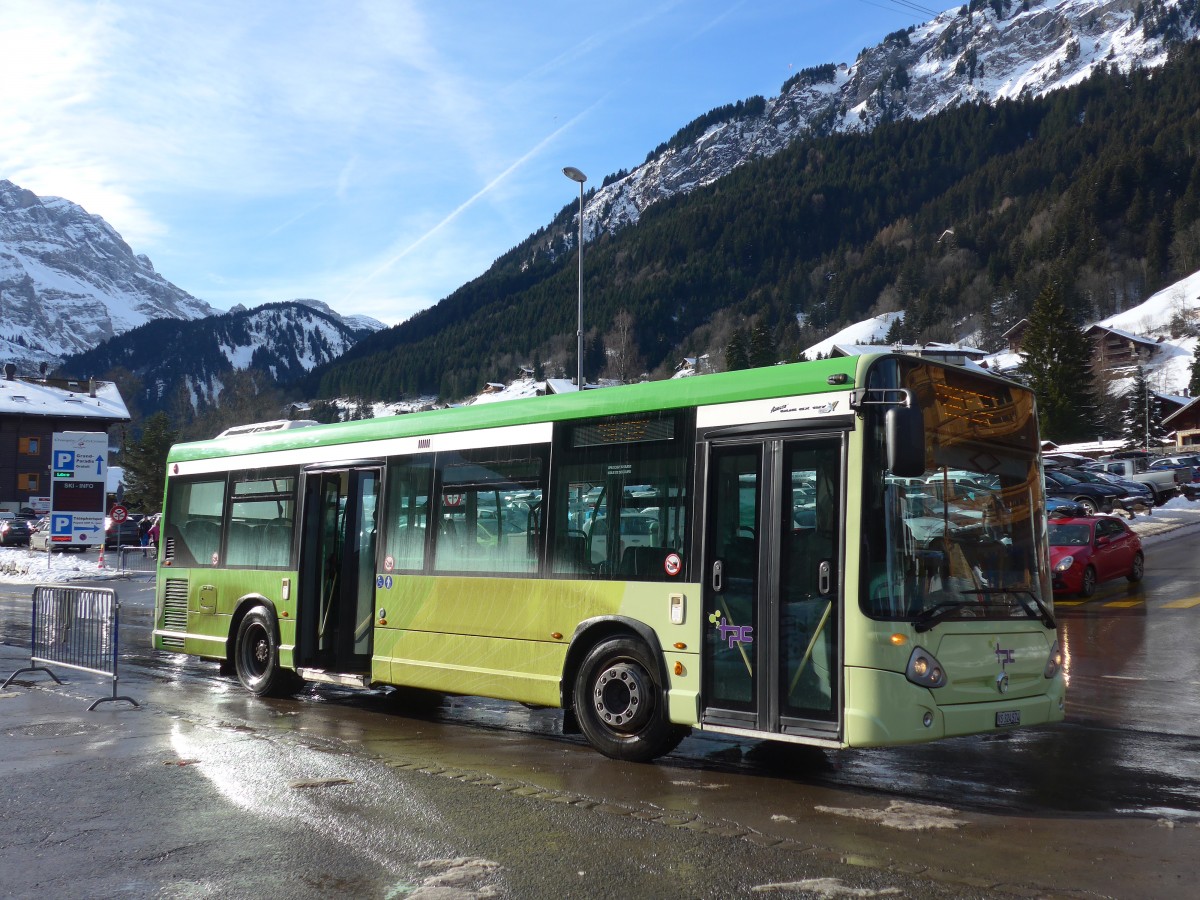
(344, 679)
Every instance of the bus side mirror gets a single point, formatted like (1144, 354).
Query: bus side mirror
(904, 430)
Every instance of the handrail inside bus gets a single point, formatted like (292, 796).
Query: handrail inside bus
(812, 643)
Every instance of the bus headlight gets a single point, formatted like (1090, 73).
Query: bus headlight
(924, 669)
(1054, 663)
(1063, 564)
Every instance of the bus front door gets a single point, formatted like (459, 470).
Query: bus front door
(337, 574)
(773, 587)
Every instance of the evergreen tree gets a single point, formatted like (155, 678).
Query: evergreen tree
(895, 332)
(1194, 383)
(761, 351)
(145, 463)
(737, 351)
(1056, 365)
(1141, 426)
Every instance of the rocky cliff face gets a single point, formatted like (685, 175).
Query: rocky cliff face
(68, 281)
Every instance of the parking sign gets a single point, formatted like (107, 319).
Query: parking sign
(77, 487)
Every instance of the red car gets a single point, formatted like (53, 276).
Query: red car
(1087, 550)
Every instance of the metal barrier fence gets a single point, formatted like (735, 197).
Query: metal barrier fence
(135, 558)
(77, 628)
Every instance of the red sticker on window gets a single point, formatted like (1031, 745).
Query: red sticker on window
(673, 564)
(388, 564)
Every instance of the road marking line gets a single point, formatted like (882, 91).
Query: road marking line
(1183, 604)
(1124, 604)
(1069, 602)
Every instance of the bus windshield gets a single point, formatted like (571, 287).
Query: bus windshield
(965, 540)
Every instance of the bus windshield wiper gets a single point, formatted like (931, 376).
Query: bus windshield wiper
(1042, 612)
(935, 614)
(938, 612)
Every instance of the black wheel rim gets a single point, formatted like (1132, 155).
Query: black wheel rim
(622, 697)
(256, 655)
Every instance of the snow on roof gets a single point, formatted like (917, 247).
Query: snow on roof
(1120, 332)
(1179, 412)
(561, 385)
(931, 350)
(21, 397)
(522, 387)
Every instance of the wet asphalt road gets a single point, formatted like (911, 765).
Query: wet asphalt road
(1107, 804)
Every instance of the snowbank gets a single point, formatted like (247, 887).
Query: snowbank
(19, 565)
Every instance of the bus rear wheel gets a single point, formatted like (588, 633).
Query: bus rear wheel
(620, 703)
(256, 656)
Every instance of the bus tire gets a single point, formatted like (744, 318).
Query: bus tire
(620, 704)
(256, 656)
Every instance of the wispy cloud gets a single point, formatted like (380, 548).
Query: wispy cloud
(401, 252)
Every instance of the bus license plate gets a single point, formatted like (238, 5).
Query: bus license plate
(1008, 717)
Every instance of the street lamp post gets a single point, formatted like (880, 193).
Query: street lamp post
(575, 175)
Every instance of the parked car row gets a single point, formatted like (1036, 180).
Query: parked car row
(1094, 493)
(35, 532)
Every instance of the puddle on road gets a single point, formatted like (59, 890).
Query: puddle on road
(353, 801)
(901, 815)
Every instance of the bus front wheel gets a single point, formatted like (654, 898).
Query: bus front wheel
(256, 655)
(620, 704)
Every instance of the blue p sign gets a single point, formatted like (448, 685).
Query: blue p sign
(64, 460)
(61, 524)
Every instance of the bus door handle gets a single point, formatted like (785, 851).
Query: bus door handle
(824, 578)
(718, 576)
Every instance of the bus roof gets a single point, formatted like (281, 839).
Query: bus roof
(701, 390)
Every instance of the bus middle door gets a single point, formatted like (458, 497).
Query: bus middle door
(772, 586)
(337, 577)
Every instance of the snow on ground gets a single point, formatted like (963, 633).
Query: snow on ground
(20, 565)
(869, 331)
(1155, 314)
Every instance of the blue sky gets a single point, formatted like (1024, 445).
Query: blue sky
(373, 155)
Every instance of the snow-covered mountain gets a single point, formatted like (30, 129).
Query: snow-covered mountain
(283, 340)
(68, 281)
(976, 52)
(73, 293)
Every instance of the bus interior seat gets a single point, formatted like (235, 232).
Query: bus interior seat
(644, 562)
(572, 555)
(277, 543)
(203, 538)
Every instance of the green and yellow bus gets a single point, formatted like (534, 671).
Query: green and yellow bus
(845, 553)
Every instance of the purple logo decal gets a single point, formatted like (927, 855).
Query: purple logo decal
(735, 634)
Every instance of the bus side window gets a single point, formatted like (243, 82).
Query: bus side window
(407, 511)
(485, 511)
(262, 512)
(620, 521)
